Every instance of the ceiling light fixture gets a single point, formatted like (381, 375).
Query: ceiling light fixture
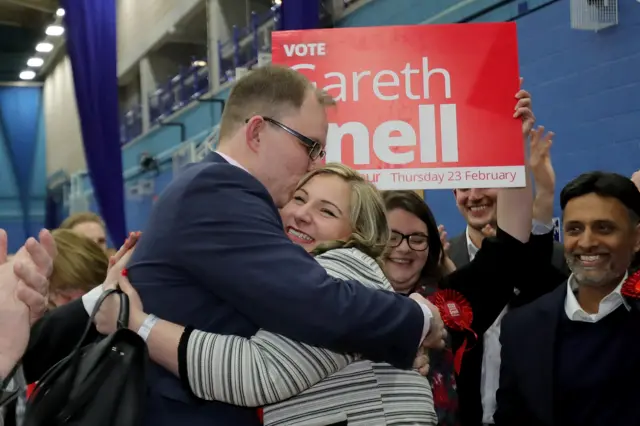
(54, 30)
(44, 47)
(35, 62)
(27, 75)
(60, 12)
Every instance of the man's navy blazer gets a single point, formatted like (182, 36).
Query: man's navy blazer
(214, 256)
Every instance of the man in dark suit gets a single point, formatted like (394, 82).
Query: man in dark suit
(479, 377)
(567, 356)
(215, 256)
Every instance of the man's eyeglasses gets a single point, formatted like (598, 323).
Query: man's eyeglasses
(313, 147)
(417, 242)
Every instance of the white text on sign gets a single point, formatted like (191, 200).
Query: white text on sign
(394, 133)
(306, 49)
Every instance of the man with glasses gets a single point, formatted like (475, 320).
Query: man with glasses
(214, 255)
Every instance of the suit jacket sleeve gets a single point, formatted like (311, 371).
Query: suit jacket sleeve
(276, 284)
(487, 282)
(54, 337)
(542, 275)
(510, 409)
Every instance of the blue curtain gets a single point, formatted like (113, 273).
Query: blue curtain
(20, 113)
(91, 43)
(300, 14)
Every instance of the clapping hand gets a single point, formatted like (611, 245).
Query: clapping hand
(635, 178)
(107, 315)
(24, 289)
(444, 240)
(540, 159)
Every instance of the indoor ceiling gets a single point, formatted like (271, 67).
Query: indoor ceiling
(22, 26)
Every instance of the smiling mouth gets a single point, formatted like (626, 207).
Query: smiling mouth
(591, 260)
(299, 237)
(400, 261)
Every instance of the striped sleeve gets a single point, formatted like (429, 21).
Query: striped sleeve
(263, 370)
(268, 368)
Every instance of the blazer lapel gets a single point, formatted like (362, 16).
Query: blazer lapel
(542, 352)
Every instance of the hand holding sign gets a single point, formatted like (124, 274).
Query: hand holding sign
(524, 112)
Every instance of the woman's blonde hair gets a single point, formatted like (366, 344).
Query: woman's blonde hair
(370, 233)
(80, 264)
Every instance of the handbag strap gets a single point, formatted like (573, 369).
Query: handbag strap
(123, 320)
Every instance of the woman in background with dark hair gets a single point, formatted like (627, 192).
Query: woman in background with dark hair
(416, 262)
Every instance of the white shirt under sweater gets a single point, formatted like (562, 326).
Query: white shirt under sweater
(490, 375)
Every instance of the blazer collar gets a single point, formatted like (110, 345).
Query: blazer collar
(214, 157)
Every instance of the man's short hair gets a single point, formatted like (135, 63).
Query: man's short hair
(604, 184)
(82, 217)
(268, 91)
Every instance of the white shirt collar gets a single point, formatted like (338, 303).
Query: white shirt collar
(608, 304)
(471, 248)
(231, 161)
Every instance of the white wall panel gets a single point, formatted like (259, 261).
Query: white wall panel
(142, 23)
(64, 138)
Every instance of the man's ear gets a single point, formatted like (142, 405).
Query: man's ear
(455, 192)
(252, 132)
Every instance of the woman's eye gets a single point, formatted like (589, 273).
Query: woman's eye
(298, 199)
(328, 212)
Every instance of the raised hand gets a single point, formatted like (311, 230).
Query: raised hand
(24, 291)
(33, 265)
(488, 230)
(540, 159)
(635, 178)
(119, 261)
(523, 111)
(444, 239)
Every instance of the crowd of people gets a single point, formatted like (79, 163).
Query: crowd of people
(272, 289)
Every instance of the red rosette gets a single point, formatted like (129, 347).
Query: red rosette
(631, 290)
(457, 315)
(631, 287)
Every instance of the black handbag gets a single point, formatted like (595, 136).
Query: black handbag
(100, 384)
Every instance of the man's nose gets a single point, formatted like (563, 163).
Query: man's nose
(475, 194)
(587, 240)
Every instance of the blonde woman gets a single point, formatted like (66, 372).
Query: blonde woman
(338, 216)
(80, 265)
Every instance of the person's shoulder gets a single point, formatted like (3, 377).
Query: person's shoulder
(214, 179)
(353, 264)
(522, 317)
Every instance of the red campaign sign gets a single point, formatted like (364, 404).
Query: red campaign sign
(419, 107)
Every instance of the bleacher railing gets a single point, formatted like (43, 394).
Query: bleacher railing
(240, 51)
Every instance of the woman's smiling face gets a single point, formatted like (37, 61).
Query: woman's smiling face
(318, 212)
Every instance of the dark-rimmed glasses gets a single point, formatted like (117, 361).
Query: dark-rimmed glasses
(417, 242)
(314, 147)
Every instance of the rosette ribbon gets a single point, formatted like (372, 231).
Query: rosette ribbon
(631, 290)
(457, 315)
